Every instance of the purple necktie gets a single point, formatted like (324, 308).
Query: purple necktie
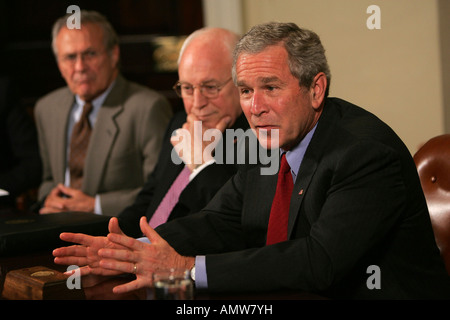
(170, 199)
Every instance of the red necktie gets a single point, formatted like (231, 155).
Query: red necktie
(78, 146)
(279, 214)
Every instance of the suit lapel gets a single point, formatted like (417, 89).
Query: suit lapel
(310, 163)
(62, 114)
(103, 137)
(306, 172)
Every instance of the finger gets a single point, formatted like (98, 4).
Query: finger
(47, 210)
(66, 190)
(148, 231)
(223, 123)
(114, 227)
(191, 118)
(54, 203)
(76, 250)
(120, 266)
(118, 254)
(82, 271)
(55, 192)
(125, 241)
(79, 238)
(179, 136)
(71, 260)
(127, 287)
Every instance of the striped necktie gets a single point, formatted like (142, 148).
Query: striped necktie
(78, 146)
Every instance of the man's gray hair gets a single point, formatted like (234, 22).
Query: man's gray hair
(110, 37)
(305, 51)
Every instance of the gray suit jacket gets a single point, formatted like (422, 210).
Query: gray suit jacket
(124, 146)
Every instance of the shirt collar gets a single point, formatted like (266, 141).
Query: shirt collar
(97, 102)
(295, 156)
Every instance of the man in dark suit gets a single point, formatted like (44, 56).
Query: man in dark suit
(127, 124)
(198, 63)
(20, 164)
(356, 224)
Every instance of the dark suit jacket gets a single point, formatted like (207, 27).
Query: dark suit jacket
(20, 164)
(357, 202)
(192, 199)
(123, 148)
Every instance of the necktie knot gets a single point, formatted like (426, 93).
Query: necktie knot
(284, 166)
(87, 109)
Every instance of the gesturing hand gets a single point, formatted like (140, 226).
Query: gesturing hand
(85, 253)
(141, 258)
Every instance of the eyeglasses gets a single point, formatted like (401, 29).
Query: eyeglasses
(208, 90)
(86, 56)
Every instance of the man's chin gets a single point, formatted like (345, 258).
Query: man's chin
(268, 143)
(269, 139)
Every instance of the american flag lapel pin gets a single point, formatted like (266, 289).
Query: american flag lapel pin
(301, 192)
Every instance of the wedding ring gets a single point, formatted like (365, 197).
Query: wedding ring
(135, 268)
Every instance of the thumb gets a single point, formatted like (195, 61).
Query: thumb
(113, 226)
(148, 231)
(223, 123)
(66, 190)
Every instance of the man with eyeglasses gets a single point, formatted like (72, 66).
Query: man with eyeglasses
(99, 160)
(211, 101)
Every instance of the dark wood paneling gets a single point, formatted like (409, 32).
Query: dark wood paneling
(25, 27)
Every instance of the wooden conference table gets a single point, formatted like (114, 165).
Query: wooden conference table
(101, 288)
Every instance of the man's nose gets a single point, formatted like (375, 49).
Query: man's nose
(199, 100)
(80, 63)
(258, 105)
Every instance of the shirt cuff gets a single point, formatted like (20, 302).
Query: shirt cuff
(98, 206)
(201, 279)
(200, 168)
(144, 239)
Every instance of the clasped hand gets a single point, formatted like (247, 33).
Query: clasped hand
(63, 198)
(118, 253)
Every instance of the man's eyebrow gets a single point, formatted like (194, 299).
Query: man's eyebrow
(262, 80)
(203, 82)
(266, 80)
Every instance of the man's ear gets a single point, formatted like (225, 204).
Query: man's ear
(115, 54)
(318, 89)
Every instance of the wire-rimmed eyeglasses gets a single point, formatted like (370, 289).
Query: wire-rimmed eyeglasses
(207, 89)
